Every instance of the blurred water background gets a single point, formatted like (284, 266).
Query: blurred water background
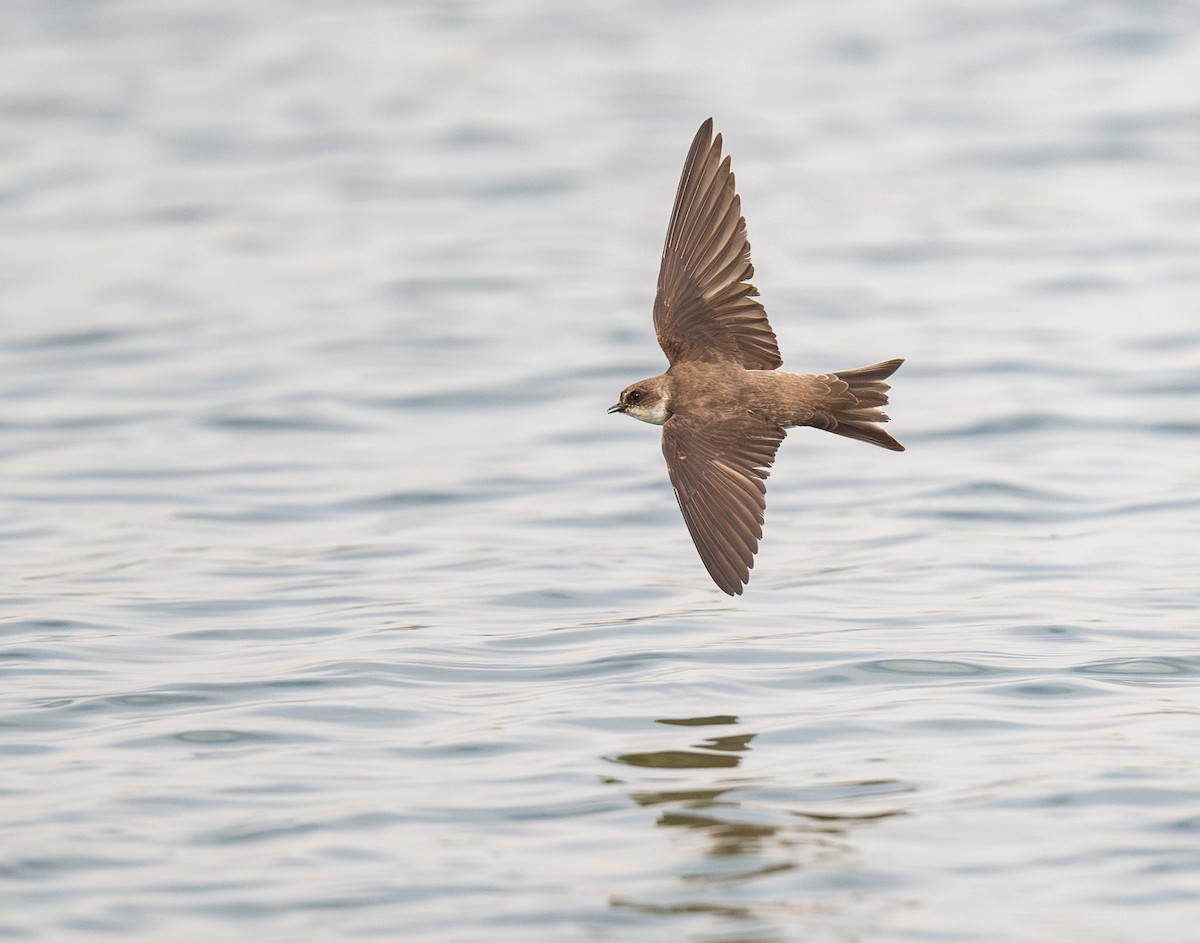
(335, 607)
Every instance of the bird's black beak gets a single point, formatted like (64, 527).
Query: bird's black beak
(619, 408)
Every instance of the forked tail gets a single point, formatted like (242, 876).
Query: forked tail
(853, 406)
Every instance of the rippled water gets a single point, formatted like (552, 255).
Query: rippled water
(334, 606)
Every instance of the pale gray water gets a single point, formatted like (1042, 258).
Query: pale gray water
(335, 607)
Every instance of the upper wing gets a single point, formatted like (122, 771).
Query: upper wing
(705, 308)
(717, 470)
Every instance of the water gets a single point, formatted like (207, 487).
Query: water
(334, 606)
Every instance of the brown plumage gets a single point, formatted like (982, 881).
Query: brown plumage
(723, 405)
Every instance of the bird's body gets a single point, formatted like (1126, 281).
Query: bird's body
(715, 391)
(723, 404)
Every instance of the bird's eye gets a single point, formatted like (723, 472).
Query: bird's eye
(635, 396)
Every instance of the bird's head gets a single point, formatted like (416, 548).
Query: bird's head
(647, 400)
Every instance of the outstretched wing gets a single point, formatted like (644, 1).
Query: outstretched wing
(705, 308)
(717, 470)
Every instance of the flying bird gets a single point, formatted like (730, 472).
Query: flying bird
(723, 404)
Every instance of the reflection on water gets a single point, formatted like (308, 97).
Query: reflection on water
(677, 759)
(684, 759)
(747, 838)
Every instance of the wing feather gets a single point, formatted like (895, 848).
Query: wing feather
(717, 469)
(704, 308)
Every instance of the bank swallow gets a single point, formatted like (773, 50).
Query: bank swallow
(724, 406)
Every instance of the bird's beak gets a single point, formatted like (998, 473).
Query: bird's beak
(619, 408)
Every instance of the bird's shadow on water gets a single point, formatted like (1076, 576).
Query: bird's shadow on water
(761, 852)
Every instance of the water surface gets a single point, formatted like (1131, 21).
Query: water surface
(334, 606)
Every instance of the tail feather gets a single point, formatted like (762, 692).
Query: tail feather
(853, 406)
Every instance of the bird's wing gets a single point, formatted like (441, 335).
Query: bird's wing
(705, 308)
(717, 470)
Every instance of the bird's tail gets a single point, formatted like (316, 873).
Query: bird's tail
(853, 406)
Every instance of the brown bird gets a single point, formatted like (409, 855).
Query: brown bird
(723, 404)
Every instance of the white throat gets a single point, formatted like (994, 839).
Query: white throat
(655, 413)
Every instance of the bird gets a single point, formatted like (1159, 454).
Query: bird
(723, 403)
